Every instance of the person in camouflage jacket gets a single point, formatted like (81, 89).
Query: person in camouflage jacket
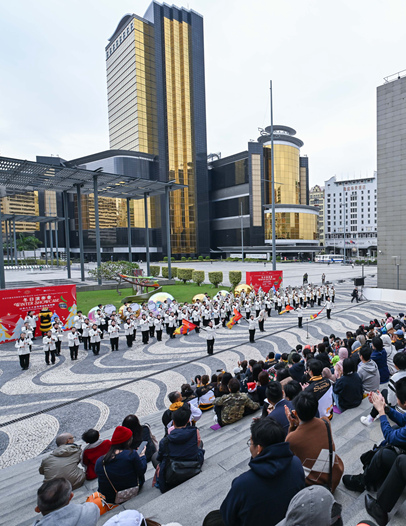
(232, 407)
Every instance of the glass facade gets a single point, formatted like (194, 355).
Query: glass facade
(231, 207)
(231, 174)
(180, 134)
(292, 225)
(287, 174)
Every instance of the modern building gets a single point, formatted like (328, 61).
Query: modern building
(316, 199)
(391, 165)
(350, 216)
(156, 105)
(241, 199)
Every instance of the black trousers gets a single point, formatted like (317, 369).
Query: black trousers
(300, 322)
(205, 322)
(152, 331)
(261, 325)
(354, 298)
(145, 336)
(114, 344)
(319, 301)
(257, 311)
(134, 335)
(58, 347)
(393, 485)
(268, 311)
(80, 331)
(86, 342)
(252, 335)
(197, 323)
(214, 518)
(171, 331)
(167, 328)
(159, 335)
(74, 352)
(210, 346)
(24, 360)
(379, 467)
(216, 321)
(129, 338)
(52, 353)
(374, 412)
(333, 298)
(328, 314)
(95, 348)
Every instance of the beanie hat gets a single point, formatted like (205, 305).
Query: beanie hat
(121, 434)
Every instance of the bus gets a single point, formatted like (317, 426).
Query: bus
(329, 258)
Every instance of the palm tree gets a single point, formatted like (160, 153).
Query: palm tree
(23, 244)
(34, 243)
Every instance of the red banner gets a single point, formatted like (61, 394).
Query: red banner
(15, 304)
(266, 279)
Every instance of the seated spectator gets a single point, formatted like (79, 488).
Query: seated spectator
(134, 518)
(338, 366)
(347, 391)
(321, 387)
(399, 343)
(95, 448)
(384, 467)
(354, 352)
(64, 462)
(180, 444)
(297, 369)
(53, 501)
(322, 355)
(187, 392)
(205, 394)
(262, 384)
(232, 407)
(222, 387)
(270, 360)
(312, 502)
(282, 363)
(176, 401)
(276, 405)
(261, 495)
(291, 390)
(309, 440)
(213, 380)
(391, 350)
(121, 467)
(141, 433)
(379, 356)
(368, 370)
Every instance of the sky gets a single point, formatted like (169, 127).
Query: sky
(325, 59)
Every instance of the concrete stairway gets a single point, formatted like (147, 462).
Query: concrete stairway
(226, 457)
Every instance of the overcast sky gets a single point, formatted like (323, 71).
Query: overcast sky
(325, 59)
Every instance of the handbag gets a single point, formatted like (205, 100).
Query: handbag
(154, 440)
(178, 471)
(124, 494)
(330, 457)
(100, 500)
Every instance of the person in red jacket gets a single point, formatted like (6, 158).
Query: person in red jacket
(95, 448)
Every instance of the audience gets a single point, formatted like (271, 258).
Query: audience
(176, 401)
(141, 433)
(205, 394)
(368, 370)
(321, 387)
(231, 407)
(348, 391)
(380, 357)
(54, 503)
(95, 448)
(64, 462)
(277, 404)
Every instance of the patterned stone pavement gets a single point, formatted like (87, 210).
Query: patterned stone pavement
(99, 392)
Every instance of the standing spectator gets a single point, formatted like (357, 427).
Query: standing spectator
(95, 448)
(261, 495)
(323, 279)
(64, 462)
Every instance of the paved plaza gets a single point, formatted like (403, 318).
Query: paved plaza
(98, 391)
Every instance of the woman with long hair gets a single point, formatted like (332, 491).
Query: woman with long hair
(141, 433)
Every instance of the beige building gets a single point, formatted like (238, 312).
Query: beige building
(316, 199)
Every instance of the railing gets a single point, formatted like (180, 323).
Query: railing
(395, 76)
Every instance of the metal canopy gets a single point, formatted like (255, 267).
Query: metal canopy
(19, 176)
(31, 219)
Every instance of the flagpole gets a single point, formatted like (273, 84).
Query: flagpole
(307, 328)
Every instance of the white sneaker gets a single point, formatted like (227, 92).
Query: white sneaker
(215, 419)
(366, 420)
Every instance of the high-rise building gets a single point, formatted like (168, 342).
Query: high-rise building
(316, 199)
(241, 199)
(391, 166)
(156, 103)
(350, 216)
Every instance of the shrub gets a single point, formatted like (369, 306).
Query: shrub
(190, 258)
(154, 271)
(183, 258)
(235, 277)
(200, 258)
(198, 276)
(185, 274)
(110, 270)
(165, 272)
(207, 258)
(166, 258)
(216, 278)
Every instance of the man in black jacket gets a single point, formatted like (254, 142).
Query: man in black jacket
(321, 387)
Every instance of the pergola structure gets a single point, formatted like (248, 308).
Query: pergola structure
(18, 177)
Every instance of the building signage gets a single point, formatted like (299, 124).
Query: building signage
(266, 280)
(15, 304)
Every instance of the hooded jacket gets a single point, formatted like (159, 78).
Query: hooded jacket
(180, 444)
(297, 371)
(349, 390)
(369, 374)
(71, 515)
(261, 496)
(64, 462)
(380, 358)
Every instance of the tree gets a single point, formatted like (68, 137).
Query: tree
(111, 270)
(235, 277)
(185, 274)
(23, 244)
(33, 244)
(198, 276)
(216, 278)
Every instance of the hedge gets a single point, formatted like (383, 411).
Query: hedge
(235, 277)
(185, 274)
(198, 276)
(154, 271)
(216, 278)
(165, 272)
